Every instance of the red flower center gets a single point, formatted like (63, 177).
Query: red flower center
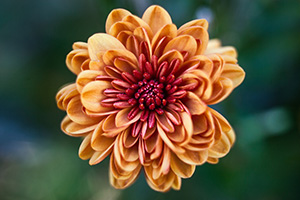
(149, 89)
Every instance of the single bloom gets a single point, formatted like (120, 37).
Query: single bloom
(142, 97)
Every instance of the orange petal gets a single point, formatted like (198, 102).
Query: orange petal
(235, 73)
(213, 43)
(76, 130)
(165, 123)
(109, 126)
(200, 34)
(138, 22)
(65, 94)
(128, 139)
(194, 104)
(193, 157)
(156, 17)
(178, 135)
(187, 124)
(167, 141)
(117, 27)
(158, 148)
(85, 150)
(221, 90)
(123, 183)
(228, 50)
(212, 160)
(111, 55)
(151, 143)
(221, 148)
(98, 141)
(102, 42)
(169, 56)
(177, 183)
(75, 60)
(122, 118)
(92, 95)
(98, 156)
(198, 22)
(80, 45)
(76, 114)
(114, 16)
(124, 65)
(183, 43)
(128, 154)
(85, 77)
(180, 168)
(169, 30)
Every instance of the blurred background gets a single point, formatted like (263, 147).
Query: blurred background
(39, 162)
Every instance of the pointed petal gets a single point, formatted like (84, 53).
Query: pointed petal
(156, 17)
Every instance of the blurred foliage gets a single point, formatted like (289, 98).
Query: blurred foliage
(38, 161)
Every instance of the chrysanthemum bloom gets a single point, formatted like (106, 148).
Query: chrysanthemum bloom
(142, 97)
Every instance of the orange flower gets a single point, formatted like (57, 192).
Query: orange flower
(142, 94)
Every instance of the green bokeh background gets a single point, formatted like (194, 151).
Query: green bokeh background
(39, 162)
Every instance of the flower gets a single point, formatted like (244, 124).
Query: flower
(142, 94)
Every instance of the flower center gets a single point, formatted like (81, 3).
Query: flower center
(149, 89)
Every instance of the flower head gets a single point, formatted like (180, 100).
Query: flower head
(142, 94)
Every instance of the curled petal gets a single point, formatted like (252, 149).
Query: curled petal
(220, 148)
(76, 113)
(92, 95)
(118, 27)
(122, 118)
(138, 22)
(110, 128)
(167, 141)
(183, 43)
(100, 42)
(221, 90)
(170, 55)
(76, 130)
(235, 73)
(198, 22)
(75, 59)
(114, 16)
(85, 150)
(99, 156)
(98, 141)
(156, 17)
(180, 168)
(64, 96)
(169, 31)
(194, 104)
(230, 51)
(193, 157)
(85, 77)
(111, 55)
(163, 183)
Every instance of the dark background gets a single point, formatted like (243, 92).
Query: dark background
(38, 161)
